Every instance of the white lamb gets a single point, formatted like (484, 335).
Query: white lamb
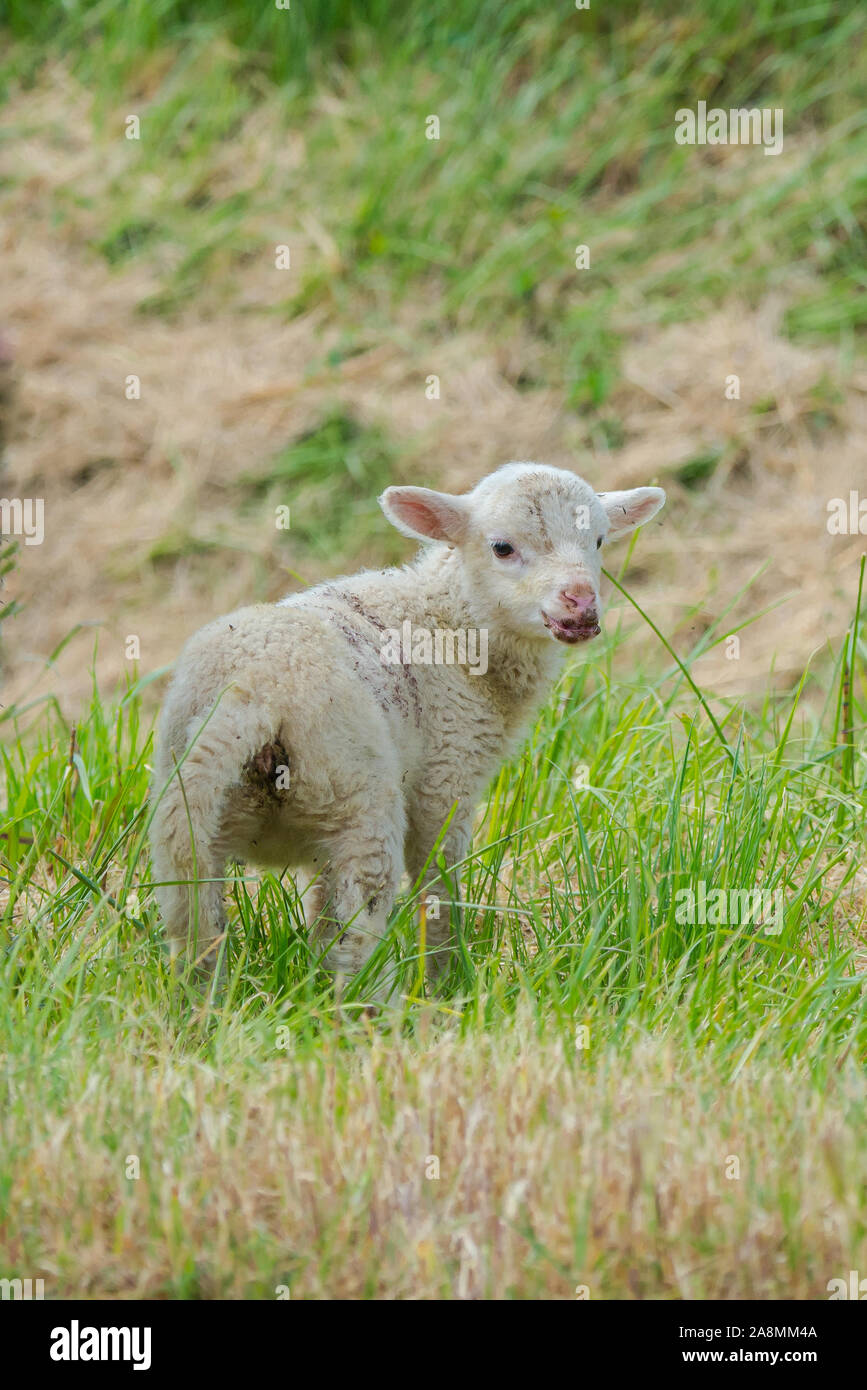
(323, 732)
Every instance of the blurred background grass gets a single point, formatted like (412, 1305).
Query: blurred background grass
(306, 128)
(552, 120)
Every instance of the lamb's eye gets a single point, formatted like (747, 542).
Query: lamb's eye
(598, 542)
(502, 549)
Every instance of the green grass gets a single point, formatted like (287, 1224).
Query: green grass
(326, 518)
(592, 871)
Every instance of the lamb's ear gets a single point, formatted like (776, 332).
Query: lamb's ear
(626, 510)
(424, 514)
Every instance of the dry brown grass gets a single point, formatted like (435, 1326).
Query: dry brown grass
(556, 1169)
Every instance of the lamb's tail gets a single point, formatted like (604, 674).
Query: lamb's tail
(189, 794)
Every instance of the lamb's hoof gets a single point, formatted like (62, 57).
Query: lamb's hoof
(378, 1003)
(205, 975)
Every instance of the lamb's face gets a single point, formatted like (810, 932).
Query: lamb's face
(531, 542)
(533, 552)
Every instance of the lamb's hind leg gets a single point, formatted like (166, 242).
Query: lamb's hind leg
(190, 891)
(189, 848)
(357, 891)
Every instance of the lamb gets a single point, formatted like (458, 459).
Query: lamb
(321, 733)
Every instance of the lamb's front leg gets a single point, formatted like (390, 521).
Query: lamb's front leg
(438, 897)
(356, 892)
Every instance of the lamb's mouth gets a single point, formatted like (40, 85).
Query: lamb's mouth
(572, 630)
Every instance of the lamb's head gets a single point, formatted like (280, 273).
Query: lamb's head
(530, 542)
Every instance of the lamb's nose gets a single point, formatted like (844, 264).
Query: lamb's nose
(582, 599)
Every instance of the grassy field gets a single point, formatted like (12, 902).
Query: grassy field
(608, 1096)
(610, 1099)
